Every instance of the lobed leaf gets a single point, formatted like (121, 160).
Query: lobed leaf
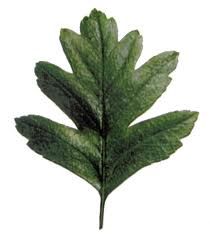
(103, 95)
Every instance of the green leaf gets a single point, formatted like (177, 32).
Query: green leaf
(69, 94)
(101, 32)
(103, 95)
(148, 142)
(81, 55)
(63, 145)
(145, 86)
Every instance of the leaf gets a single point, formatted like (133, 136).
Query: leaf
(103, 95)
(69, 94)
(144, 88)
(148, 142)
(81, 55)
(63, 145)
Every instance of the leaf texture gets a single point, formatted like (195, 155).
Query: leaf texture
(63, 145)
(103, 95)
(148, 142)
(70, 95)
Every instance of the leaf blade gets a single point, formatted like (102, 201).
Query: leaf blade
(146, 86)
(62, 145)
(100, 31)
(81, 56)
(148, 142)
(69, 95)
(103, 95)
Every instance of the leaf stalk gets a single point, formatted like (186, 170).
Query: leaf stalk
(101, 216)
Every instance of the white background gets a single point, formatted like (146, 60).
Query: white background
(169, 200)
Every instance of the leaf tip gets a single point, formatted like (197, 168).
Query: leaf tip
(41, 68)
(195, 115)
(136, 36)
(176, 55)
(173, 55)
(135, 33)
(63, 33)
(19, 124)
(96, 13)
(17, 120)
(37, 68)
